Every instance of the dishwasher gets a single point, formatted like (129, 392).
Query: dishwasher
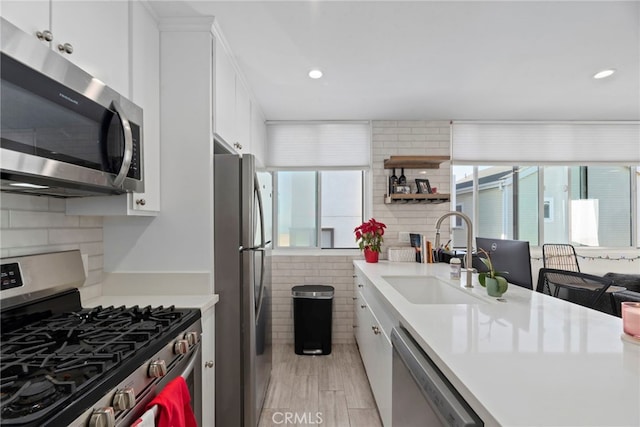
(422, 396)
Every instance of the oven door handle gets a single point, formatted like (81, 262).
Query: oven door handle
(192, 363)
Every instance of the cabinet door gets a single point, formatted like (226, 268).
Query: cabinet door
(208, 369)
(258, 133)
(98, 31)
(29, 16)
(376, 352)
(224, 119)
(243, 119)
(145, 91)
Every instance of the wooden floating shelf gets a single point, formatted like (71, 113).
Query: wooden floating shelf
(415, 162)
(417, 198)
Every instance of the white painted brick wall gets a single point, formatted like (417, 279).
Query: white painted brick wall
(289, 271)
(390, 137)
(31, 225)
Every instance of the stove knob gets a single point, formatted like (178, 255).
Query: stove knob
(181, 347)
(124, 399)
(103, 417)
(191, 337)
(157, 368)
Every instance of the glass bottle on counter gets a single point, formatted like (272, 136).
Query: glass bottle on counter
(393, 180)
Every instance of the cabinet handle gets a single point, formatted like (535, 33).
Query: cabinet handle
(141, 202)
(65, 48)
(363, 306)
(360, 285)
(354, 298)
(208, 364)
(376, 330)
(354, 276)
(45, 35)
(354, 326)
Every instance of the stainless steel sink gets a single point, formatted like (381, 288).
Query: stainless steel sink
(430, 290)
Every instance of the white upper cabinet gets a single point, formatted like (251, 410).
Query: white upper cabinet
(93, 35)
(224, 88)
(145, 91)
(98, 34)
(258, 133)
(32, 17)
(233, 107)
(243, 118)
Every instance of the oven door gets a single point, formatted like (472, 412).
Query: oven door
(190, 368)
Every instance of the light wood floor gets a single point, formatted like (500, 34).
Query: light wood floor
(319, 391)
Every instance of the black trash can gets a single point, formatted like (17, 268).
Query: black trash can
(312, 311)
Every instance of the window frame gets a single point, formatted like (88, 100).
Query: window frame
(365, 202)
(634, 178)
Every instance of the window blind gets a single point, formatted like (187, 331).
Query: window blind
(318, 144)
(545, 142)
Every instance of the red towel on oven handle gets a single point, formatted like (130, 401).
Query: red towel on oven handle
(174, 409)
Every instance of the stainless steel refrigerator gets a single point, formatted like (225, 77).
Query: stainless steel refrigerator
(242, 271)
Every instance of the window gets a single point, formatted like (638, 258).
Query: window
(531, 188)
(318, 208)
(582, 205)
(319, 170)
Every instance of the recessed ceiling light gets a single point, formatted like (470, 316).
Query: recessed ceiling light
(604, 73)
(315, 74)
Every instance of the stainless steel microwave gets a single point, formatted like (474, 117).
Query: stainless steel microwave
(64, 133)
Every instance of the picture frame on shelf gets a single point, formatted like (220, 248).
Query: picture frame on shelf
(423, 186)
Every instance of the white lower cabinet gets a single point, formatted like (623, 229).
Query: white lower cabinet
(375, 348)
(208, 368)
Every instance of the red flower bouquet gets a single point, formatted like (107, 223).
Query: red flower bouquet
(369, 235)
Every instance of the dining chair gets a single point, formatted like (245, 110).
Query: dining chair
(560, 256)
(617, 298)
(576, 287)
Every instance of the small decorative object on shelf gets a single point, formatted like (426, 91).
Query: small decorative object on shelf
(393, 181)
(403, 179)
(369, 238)
(423, 186)
(496, 285)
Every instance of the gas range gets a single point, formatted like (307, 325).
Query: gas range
(62, 364)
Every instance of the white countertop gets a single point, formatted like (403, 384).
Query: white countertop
(533, 360)
(203, 302)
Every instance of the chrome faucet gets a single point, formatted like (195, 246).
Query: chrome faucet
(468, 256)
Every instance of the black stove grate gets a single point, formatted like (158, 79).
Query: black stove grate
(55, 361)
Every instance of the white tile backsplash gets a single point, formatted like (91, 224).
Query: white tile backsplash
(33, 224)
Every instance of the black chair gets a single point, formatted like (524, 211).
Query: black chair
(579, 288)
(617, 298)
(561, 256)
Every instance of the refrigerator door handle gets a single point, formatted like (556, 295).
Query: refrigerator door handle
(256, 189)
(255, 248)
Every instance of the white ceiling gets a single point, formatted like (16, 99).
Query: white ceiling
(504, 60)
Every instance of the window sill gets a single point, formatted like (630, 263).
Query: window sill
(315, 252)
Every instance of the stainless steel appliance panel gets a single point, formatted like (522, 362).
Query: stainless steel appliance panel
(242, 279)
(421, 394)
